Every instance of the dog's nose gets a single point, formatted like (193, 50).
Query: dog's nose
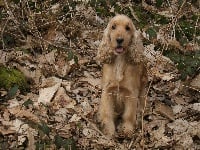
(119, 40)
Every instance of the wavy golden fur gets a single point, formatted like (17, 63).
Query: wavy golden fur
(124, 77)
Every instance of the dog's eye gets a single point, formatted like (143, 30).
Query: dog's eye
(113, 27)
(127, 28)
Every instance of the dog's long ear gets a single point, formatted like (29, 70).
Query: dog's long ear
(136, 51)
(104, 50)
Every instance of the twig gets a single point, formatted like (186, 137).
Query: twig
(174, 20)
(134, 142)
(182, 32)
(195, 89)
(13, 18)
(94, 126)
(195, 29)
(145, 103)
(133, 13)
(148, 7)
(129, 147)
(32, 15)
(180, 9)
(3, 44)
(171, 9)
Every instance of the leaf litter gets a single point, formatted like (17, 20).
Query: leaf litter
(60, 110)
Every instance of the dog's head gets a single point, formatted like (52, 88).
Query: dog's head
(120, 37)
(120, 33)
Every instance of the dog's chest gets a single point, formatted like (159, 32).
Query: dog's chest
(119, 68)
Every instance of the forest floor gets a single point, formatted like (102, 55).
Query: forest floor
(56, 108)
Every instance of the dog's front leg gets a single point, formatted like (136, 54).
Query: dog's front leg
(106, 112)
(129, 115)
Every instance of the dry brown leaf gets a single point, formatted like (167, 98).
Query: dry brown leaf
(74, 118)
(86, 107)
(94, 82)
(91, 80)
(179, 126)
(175, 43)
(31, 141)
(164, 76)
(4, 131)
(63, 100)
(54, 36)
(4, 57)
(46, 94)
(177, 109)
(21, 139)
(67, 85)
(164, 110)
(18, 112)
(55, 8)
(196, 106)
(28, 43)
(192, 47)
(159, 136)
(89, 133)
(196, 82)
(6, 115)
(63, 66)
(184, 131)
(50, 57)
(61, 115)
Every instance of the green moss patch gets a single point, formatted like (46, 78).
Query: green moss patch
(187, 63)
(12, 77)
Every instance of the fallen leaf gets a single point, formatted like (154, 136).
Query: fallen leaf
(63, 100)
(74, 118)
(4, 131)
(179, 126)
(86, 107)
(177, 109)
(31, 140)
(89, 133)
(19, 126)
(196, 106)
(196, 82)
(18, 112)
(46, 94)
(21, 139)
(55, 8)
(159, 136)
(164, 110)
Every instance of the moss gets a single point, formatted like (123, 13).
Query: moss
(11, 77)
(101, 7)
(187, 25)
(152, 33)
(187, 63)
(142, 15)
(159, 3)
(188, 29)
(161, 19)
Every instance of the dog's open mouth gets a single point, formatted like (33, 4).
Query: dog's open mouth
(119, 50)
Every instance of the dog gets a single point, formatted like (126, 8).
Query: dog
(124, 76)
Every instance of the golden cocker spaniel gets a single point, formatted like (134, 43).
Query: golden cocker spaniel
(124, 77)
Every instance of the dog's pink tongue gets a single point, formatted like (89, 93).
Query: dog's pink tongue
(119, 50)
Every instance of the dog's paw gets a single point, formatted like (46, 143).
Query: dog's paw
(127, 129)
(109, 130)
